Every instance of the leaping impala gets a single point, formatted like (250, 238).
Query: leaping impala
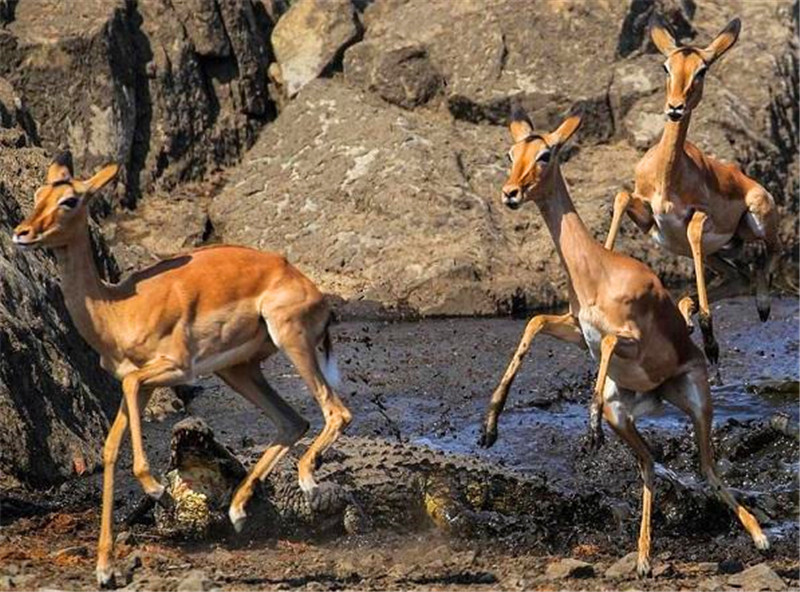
(220, 309)
(692, 204)
(620, 310)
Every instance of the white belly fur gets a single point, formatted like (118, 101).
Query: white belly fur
(627, 373)
(670, 232)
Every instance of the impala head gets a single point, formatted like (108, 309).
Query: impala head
(686, 66)
(532, 156)
(60, 205)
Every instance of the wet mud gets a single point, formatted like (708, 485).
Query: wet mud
(426, 384)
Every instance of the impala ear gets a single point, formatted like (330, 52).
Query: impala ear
(102, 178)
(565, 131)
(60, 169)
(661, 36)
(722, 42)
(521, 126)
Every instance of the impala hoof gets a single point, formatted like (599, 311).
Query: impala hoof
(488, 437)
(763, 312)
(237, 517)
(105, 578)
(643, 569)
(761, 542)
(595, 438)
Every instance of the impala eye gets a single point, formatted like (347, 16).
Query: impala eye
(666, 70)
(509, 158)
(544, 157)
(700, 74)
(69, 203)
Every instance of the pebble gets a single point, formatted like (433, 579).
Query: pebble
(730, 566)
(624, 567)
(569, 568)
(76, 551)
(125, 538)
(758, 578)
(195, 581)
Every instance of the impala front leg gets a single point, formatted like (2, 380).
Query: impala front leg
(564, 327)
(637, 210)
(607, 346)
(694, 233)
(160, 373)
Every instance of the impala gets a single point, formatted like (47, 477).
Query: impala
(626, 318)
(691, 203)
(219, 309)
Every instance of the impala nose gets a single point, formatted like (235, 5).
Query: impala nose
(21, 235)
(675, 112)
(511, 196)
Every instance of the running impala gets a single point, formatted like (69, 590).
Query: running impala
(218, 310)
(693, 204)
(620, 310)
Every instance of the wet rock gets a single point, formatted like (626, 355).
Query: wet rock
(309, 37)
(757, 578)
(404, 76)
(624, 567)
(195, 581)
(569, 568)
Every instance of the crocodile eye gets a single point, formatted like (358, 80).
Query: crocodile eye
(69, 203)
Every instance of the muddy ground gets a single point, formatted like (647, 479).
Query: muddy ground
(427, 382)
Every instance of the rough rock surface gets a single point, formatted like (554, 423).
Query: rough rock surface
(167, 89)
(54, 397)
(309, 37)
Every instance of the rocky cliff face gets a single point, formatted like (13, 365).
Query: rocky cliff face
(382, 182)
(54, 398)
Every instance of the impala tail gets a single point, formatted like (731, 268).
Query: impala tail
(327, 359)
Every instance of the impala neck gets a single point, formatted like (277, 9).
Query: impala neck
(670, 151)
(85, 294)
(575, 245)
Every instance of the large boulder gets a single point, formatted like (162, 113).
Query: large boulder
(310, 37)
(55, 400)
(170, 90)
(400, 208)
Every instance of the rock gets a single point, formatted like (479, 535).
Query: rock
(157, 80)
(55, 400)
(75, 551)
(707, 567)
(624, 567)
(403, 76)
(7, 583)
(126, 537)
(664, 570)
(730, 566)
(310, 37)
(569, 568)
(635, 28)
(132, 563)
(756, 578)
(196, 580)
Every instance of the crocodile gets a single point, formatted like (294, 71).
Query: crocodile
(373, 484)
(368, 484)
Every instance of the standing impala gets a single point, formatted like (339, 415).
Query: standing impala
(620, 310)
(692, 204)
(220, 309)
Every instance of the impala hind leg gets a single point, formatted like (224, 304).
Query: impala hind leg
(301, 350)
(762, 219)
(618, 412)
(694, 233)
(691, 394)
(248, 380)
(564, 327)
